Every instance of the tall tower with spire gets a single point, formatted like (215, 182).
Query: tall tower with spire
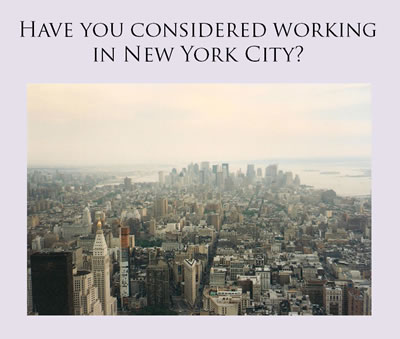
(101, 272)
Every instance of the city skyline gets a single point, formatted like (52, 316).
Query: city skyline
(113, 124)
(201, 240)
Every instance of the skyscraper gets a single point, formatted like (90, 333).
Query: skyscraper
(101, 272)
(219, 182)
(251, 173)
(87, 219)
(157, 284)
(86, 300)
(152, 227)
(215, 169)
(124, 263)
(288, 178)
(271, 171)
(52, 291)
(160, 207)
(191, 278)
(29, 286)
(215, 220)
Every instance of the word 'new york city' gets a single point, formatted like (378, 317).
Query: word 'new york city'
(192, 53)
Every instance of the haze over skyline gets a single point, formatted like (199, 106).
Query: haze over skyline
(112, 124)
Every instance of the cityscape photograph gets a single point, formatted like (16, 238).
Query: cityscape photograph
(199, 199)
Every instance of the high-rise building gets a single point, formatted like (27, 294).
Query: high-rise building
(345, 285)
(87, 219)
(215, 220)
(157, 284)
(333, 300)
(315, 290)
(196, 169)
(251, 173)
(52, 290)
(288, 178)
(101, 272)
(29, 285)
(191, 276)
(359, 301)
(86, 300)
(355, 302)
(124, 263)
(219, 182)
(271, 171)
(152, 227)
(77, 257)
(160, 207)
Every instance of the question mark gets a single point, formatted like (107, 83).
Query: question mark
(301, 51)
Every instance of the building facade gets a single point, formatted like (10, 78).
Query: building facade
(52, 289)
(101, 272)
(157, 284)
(86, 299)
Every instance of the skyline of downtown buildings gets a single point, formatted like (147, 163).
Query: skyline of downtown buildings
(194, 221)
(206, 238)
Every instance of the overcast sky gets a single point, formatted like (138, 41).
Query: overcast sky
(112, 124)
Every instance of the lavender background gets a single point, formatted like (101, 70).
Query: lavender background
(57, 60)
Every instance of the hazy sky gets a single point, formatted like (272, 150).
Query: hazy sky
(112, 124)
